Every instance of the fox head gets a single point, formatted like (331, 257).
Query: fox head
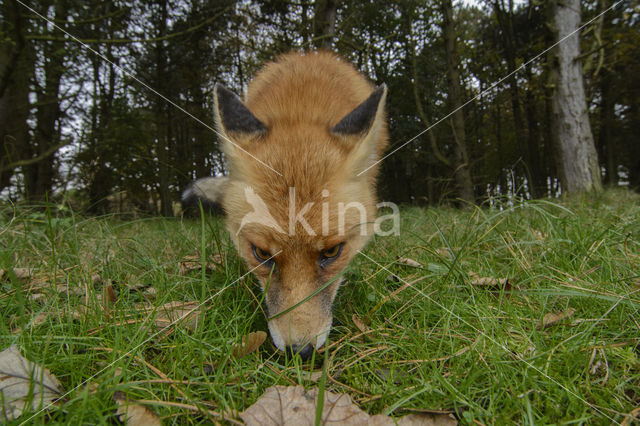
(298, 204)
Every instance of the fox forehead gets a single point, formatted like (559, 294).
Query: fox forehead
(306, 157)
(268, 239)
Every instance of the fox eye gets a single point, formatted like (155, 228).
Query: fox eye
(262, 256)
(329, 255)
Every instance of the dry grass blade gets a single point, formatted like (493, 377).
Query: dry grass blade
(24, 384)
(631, 417)
(554, 317)
(133, 414)
(250, 343)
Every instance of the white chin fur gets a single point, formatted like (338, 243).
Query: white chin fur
(276, 337)
(278, 341)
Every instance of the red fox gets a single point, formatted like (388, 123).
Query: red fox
(300, 198)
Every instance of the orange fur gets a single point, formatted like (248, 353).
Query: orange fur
(299, 98)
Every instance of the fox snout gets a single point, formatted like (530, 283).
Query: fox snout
(303, 329)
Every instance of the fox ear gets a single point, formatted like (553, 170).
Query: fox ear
(361, 119)
(233, 119)
(360, 128)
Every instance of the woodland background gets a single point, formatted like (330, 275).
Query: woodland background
(77, 129)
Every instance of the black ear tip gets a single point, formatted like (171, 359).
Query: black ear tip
(360, 119)
(378, 93)
(234, 116)
(223, 92)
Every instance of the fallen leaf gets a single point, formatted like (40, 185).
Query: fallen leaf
(490, 282)
(393, 278)
(108, 299)
(24, 384)
(409, 262)
(359, 323)
(444, 252)
(553, 317)
(250, 343)
(539, 235)
(427, 419)
(37, 320)
(479, 281)
(151, 292)
(312, 376)
(293, 405)
(194, 262)
(133, 414)
(20, 273)
(185, 313)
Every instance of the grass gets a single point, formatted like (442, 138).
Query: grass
(445, 342)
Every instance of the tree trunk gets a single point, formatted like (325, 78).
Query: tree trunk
(460, 160)
(324, 22)
(163, 120)
(577, 159)
(537, 178)
(505, 22)
(607, 121)
(16, 69)
(39, 176)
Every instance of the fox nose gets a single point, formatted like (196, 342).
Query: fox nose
(305, 353)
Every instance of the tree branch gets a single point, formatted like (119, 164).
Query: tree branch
(28, 161)
(129, 40)
(416, 94)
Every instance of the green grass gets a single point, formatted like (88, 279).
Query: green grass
(442, 343)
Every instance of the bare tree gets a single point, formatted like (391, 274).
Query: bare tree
(577, 158)
(461, 160)
(325, 22)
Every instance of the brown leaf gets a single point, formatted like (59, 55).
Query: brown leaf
(553, 317)
(359, 323)
(312, 376)
(133, 414)
(427, 419)
(108, 299)
(23, 273)
(409, 262)
(250, 343)
(20, 273)
(489, 282)
(194, 262)
(151, 292)
(23, 382)
(37, 320)
(293, 405)
(185, 313)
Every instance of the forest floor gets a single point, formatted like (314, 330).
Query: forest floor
(523, 314)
